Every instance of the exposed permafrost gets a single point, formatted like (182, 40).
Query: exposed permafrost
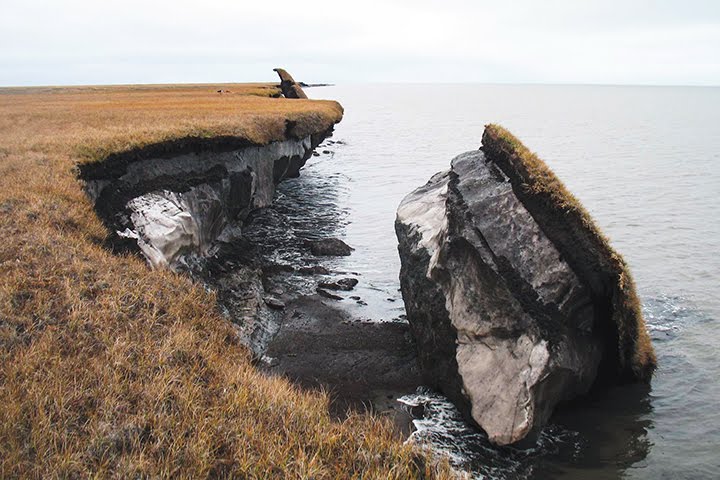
(170, 225)
(178, 208)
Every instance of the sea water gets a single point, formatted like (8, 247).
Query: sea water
(645, 162)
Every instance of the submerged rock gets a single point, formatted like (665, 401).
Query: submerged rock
(516, 301)
(314, 270)
(330, 247)
(274, 303)
(345, 284)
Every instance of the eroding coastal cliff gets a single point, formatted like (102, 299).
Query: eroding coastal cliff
(516, 300)
(183, 204)
(176, 205)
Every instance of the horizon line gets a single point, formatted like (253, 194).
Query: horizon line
(369, 82)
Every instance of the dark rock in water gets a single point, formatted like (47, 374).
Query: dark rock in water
(324, 293)
(290, 88)
(416, 410)
(330, 247)
(516, 301)
(314, 270)
(345, 284)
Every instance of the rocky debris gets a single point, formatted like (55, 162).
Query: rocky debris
(290, 88)
(274, 303)
(330, 247)
(324, 293)
(345, 284)
(510, 312)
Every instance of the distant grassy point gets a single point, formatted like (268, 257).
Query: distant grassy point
(109, 369)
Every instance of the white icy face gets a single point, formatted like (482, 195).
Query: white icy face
(498, 378)
(424, 211)
(168, 226)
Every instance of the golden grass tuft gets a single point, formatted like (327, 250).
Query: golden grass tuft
(636, 356)
(109, 369)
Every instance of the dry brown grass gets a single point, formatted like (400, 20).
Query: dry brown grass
(93, 122)
(636, 354)
(108, 369)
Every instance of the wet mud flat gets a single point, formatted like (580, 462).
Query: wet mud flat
(365, 365)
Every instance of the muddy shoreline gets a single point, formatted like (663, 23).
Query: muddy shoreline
(275, 291)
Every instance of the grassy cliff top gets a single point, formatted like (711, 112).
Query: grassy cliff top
(110, 369)
(95, 122)
(582, 243)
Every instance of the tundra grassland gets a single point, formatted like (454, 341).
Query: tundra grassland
(111, 369)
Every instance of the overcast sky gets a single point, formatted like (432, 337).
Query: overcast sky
(520, 41)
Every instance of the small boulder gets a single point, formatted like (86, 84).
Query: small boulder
(314, 270)
(345, 284)
(330, 247)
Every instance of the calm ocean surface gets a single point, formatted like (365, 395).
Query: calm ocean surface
(645, 161)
